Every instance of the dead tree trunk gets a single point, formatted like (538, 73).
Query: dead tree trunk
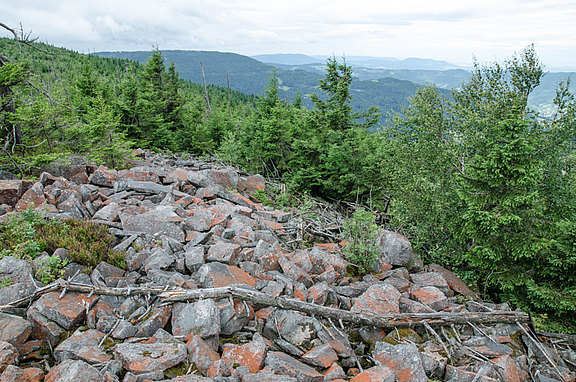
(388, 321)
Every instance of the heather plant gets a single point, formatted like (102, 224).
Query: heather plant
(29, 234)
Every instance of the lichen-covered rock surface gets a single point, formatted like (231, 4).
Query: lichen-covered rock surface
(189, 225)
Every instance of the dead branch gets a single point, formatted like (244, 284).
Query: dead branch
(388, 321)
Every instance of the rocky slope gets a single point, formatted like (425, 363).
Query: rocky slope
(208, 275)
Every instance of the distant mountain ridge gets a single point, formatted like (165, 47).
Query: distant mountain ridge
(384, 82)
(359, 61)
(250, 76)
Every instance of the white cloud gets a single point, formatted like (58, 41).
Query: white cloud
(453, 30)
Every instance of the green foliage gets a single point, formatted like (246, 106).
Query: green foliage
(19, 236)
(50, 269)
(12, 73)
(88, 243)
(483, 176)
(361, 233)
(29, 234)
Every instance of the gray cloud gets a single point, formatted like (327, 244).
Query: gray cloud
(453, 30)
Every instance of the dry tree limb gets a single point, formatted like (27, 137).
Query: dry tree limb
(387, 321)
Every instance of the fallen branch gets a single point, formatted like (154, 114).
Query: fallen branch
(387, 321)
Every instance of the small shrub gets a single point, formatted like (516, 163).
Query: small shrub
(361, 233)
(88, 243)
(51, 268)
(29, 233)
(18, 235)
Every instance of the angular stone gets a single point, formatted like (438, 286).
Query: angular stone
(141, 358)
(103, 177)
(395, 249)
(454, 282)
(106, 274)
(252, 183)
(199, 318)
(267, 377)
(403, 359)
(17, 270)
(508, 370)
(321, 294)
(431, 296)
(189, 378)
(337, 340)
(460, 374)
(72, 205)
(43, 328)
(82, 346)
(323, 260)
(158, 259)
(14, 329)
(74, 371)
(194, 259)
(434, 364)
(15, 374)
(8, 355)
(434, 279)
(68, 311)
(108, 213)
(234, 315)
(376, 374)
(157, 320)
(160, 220)
(334, 373)
(250, 355)
(205, 178)
(487, 347)
(201, 354)
(10, 192)
(32, 198)
(215, 275)
(302, 259)
(223, 252)
(295, 272)
(123, 330)
(140, 186)
(293, 327)
(322, 356)
(378, 299)
(201, 221)
(281, 363)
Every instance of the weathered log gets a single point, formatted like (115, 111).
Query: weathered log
(388, 321)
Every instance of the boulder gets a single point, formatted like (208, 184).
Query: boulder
(200, 318)
(82, 345)
(74, 371)
(139, 358)
(250, 355)
(379, 298)
(405, 360)
(376, 374)
(395, 249)
(159, 220)
(10, 192)
(68, 311)
(14, 329)
(281, 363)
(8, 355)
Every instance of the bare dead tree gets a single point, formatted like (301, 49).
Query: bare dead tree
(205, 91)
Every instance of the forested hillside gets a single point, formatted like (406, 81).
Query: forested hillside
(250, 76)
(476, 180)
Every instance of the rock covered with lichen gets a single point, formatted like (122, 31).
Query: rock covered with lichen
(185, 224)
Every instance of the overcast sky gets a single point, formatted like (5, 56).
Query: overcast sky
(451, 30)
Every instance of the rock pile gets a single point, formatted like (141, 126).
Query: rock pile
(195, 243)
